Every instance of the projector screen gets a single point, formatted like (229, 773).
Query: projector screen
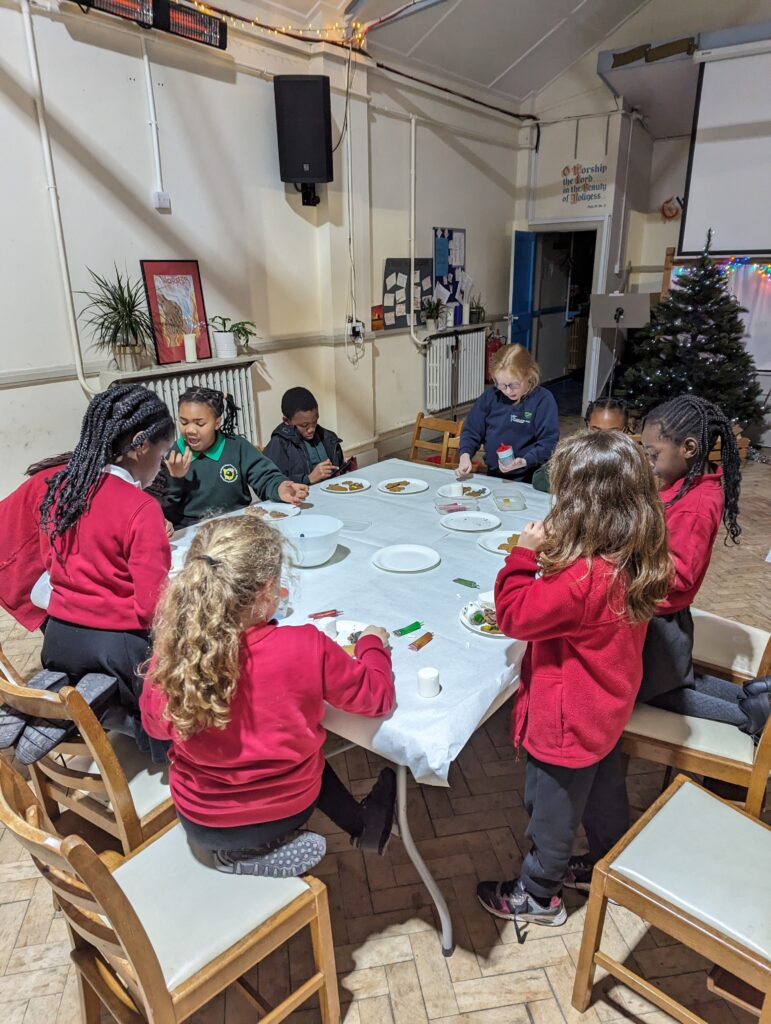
(728, 187)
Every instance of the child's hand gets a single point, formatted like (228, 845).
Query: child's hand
(517, 464)
(533, 536)
(323, 471)
(379, 632)
(178, 463)
(465, 469)
(292, 494)
(169, 527)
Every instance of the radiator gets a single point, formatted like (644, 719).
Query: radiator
(470, 378)
(170, 382)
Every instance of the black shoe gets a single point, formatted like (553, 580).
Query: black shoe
(755, 702)
(378, 813)
(579, 874)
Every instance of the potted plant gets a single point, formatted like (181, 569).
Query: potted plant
(227, 335)
(431, 308)
(477, 311)
(118, 318)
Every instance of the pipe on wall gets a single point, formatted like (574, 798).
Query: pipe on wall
(53, 195)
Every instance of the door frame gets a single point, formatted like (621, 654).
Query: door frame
(595, 363)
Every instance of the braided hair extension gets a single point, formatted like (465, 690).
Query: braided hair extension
(50, 463)
(118, 420)
(222, 403)
(691, 416)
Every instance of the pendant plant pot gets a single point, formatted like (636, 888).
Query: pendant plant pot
(127, 357)
(431, 326)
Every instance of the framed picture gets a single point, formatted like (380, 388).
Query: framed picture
(175, 302)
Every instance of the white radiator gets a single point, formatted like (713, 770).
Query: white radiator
(169, 382)
(470, 377)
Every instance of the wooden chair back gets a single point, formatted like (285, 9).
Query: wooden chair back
(68, 793)
(108, 938)
(444, 449)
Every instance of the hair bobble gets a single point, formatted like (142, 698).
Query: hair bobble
(213, 562)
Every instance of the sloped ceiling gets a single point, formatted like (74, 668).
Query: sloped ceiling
(510, 48)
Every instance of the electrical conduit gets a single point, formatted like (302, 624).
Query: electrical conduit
(421, 344)
(53, 196)
(153, 122)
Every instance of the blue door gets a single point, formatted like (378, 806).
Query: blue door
(522, 288)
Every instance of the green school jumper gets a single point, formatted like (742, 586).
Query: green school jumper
(219, 480)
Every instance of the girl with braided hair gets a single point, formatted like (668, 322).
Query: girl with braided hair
(211, 468)
(105, 542)
(678, 437)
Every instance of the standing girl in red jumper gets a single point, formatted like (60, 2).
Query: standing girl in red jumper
(107, 551)
(677, 437)
(242, 701)
(580, 588)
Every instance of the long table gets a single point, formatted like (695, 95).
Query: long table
(477, 673)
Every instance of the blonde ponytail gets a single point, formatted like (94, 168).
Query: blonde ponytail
(202, 615)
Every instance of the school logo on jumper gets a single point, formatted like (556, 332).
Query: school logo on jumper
(229, 473)
(528, 415)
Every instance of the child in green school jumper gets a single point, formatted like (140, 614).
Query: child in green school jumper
(211, 468)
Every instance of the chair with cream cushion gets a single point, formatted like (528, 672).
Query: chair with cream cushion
(159, 933)
(716, 750)
(696, 868)
(96, 776)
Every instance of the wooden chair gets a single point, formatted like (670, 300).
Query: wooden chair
(96, 776)
(716, 750)
(441, 448)
(159, 933)
(696, 868)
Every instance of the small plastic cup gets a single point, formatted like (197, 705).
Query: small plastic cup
(428, 682)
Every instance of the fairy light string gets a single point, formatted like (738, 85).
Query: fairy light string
(735, 263)
(339, 33)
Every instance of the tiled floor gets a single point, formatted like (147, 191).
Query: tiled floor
(391, 970)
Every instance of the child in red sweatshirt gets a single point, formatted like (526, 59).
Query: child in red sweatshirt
(242, 701)
(580, 588)
(677, 437)
(105, 545)
(22, 562)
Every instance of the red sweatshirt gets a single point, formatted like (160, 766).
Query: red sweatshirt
(21, 561)
(583, 664)
(266, 763)
(692, 525)
(113, 562)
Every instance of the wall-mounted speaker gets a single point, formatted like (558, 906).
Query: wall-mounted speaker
(304, 124)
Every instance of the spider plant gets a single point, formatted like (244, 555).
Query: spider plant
(117, 314)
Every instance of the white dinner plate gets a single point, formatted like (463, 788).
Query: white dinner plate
(413, 486)
(341, 485)
(406, 558)
(492, 541)
(470, 522)
(272, 511)
(473, 491)
(471, 609)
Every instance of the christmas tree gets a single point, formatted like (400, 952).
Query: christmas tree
(693, 345)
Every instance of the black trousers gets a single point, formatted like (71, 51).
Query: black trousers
(557, 800)
(667, 656)
(334, 800)
(77, 650)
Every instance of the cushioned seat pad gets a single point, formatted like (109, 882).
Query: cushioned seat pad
(694, 733)
(710, 860)
(192, 913)
(148, 783)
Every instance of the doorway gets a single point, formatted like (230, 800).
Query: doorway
(551, 289)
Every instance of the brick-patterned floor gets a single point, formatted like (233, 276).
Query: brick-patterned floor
(391, 970)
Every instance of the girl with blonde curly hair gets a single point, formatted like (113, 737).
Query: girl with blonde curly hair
(242, 702)
(581, 588)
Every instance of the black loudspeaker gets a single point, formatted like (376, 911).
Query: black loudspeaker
(304, 123)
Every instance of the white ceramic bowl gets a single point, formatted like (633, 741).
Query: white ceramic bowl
(313, 538)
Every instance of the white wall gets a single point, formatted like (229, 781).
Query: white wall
(262, 255)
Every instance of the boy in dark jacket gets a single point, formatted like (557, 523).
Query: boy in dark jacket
(304, 452)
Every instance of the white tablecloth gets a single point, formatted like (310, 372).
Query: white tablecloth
(426, 735)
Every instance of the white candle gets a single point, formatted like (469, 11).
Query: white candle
(428, 682)
(191, 356)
